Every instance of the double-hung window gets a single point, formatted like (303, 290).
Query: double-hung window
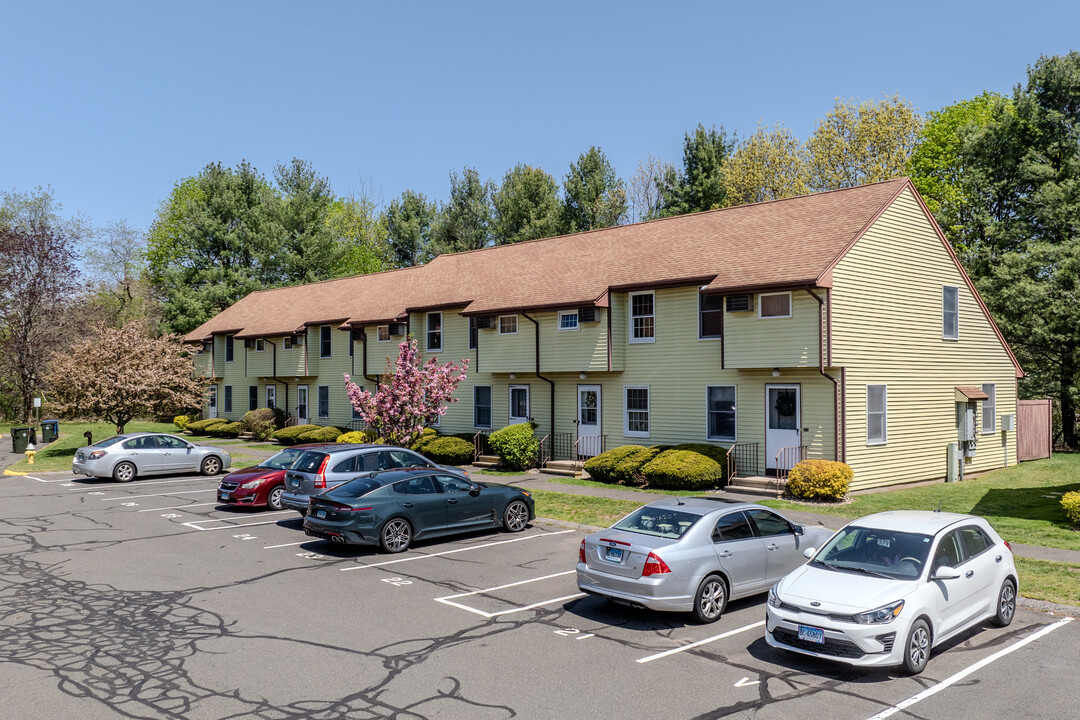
(324, 401)
(474, 334)
(482, 406)
(989, 408)
(434, 332)
(568, 320)
(950, 312)
(721, 410)
(775, 305)
(877, 430)
(325, 345)
(508, 325)
(228, 398)
(382, 333)
(253, 397)
(637, 411)
(260, 345)
(710, 316)
(229, 350)
(642, 317)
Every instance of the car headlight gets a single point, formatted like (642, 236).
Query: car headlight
(252, 484)
(774, 598)
(880, 616)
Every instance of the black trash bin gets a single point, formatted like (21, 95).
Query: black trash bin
(20, 436)
(50, 430)
(33, 434)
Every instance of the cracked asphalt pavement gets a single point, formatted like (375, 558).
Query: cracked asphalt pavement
(149, 600)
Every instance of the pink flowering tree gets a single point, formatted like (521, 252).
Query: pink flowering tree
(410, 395)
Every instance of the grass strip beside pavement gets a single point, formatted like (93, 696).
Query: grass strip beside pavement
(581, 509)
(57, 455)
(1022, 502)
(1056, 582)
(594, 484)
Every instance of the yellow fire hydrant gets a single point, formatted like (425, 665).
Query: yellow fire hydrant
(30, 456)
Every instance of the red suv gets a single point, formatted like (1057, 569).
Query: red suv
(262, 485)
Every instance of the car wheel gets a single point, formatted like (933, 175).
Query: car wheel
(917, 647)
(516, 516)
(710, 599)
(273, 500)
(1006, 604)
(124, 472)
(396, 536)
(210, 466)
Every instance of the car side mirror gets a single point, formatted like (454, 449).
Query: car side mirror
(809, 553)
(474, 490)
(799, 530)
(945, 573)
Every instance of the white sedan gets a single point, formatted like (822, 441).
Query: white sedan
(888, 588)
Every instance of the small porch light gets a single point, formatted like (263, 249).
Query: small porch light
(776, 372)
(581, 375)
(513, 376)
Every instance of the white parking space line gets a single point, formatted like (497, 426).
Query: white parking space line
(140, 483)
(178, 492)
(457, 550)
(271, 547)
(63, 479)
(197, 524)
(178, 507)
(953, 679)
(448, 599)
(699, 643)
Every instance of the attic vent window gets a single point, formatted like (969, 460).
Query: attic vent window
(740, 303)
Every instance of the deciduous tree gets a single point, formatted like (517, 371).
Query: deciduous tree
(768, 165)
(526, 206)
(357, 225)
(411, 394)
(118, 374)
(646, 187)
(593, 195)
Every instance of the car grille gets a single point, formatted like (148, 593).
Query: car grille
(230, 485)
(814, 611)
(836, 648)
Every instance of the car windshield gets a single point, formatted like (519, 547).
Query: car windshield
(874, 551)
(283, 460)
(661, 522)
(111, 441)
(355, 488)
(310, 461)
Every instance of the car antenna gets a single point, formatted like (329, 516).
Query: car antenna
(939, 506)
(678, 500)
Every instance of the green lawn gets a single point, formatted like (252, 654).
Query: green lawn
(1055, 582)
(1023, 502)
(57, 455)
(595, 484)
(584, 509)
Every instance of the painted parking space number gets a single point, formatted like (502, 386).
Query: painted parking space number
(244, 536)
(397, 581)
(574, 633)
(170, 515)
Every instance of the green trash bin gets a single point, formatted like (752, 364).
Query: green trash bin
(50, 430)
(33, 434)
(20, 436)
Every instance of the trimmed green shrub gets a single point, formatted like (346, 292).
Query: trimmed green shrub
(449, 451)
(199, 426)
(426, 436)
(181, 421)
(224, 430)
(714, 452)
(516, 445)
(356, 436)
(1071, 502)
(682, 470)
(819, 480)
(622, 465)
(321, 435)
(600, 467)
(291, 435)
(263, 422)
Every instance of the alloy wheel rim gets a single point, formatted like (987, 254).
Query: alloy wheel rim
(275, 496)
(212, 466)
(1008, 601)
(517, 517)
(397, 535)
(711, 599)
(125, 472)
(917, 651)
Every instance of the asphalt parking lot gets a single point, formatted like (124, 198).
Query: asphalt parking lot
(151, 600)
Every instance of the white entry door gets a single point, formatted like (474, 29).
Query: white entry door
(302, 404)
(588, 425)
(211, 403)
(519, 404)
(783, 423)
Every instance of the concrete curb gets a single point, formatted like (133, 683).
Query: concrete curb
(1047, 607)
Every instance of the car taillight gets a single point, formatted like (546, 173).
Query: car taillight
(98, 454)
(654, 566)
(320, 476)
(581, 551)
(1007, 545)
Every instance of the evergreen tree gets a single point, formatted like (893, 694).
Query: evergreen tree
(593, 195)
(526, 206)
(409, 224)
(465, 221)
(700, 184)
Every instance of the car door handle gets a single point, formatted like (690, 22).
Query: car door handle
(969, 573)
(774, 546)
(451, 502)
(407, 505)
(724, 553)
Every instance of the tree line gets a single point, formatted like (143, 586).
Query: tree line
(1001, 174)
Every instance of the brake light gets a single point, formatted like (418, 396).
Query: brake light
(581, 552)
(320, 477)
(1007, 545)
(98, 454)
(654, 566)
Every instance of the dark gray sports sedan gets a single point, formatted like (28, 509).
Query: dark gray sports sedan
(393, 508)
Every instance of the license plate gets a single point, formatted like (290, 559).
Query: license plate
(320, 513)
(224, 496)
(812, 634)
(613, 554)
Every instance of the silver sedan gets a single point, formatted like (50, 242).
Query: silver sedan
(693, 555)
(125, 457)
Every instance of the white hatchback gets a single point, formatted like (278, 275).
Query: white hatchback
(888, 588)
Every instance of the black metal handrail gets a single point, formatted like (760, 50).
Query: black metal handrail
(543, 450)
(746, 459)
(588, 446)
(480, 444)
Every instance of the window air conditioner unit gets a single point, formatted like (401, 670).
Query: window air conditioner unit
(356, 335)
(297, 340)
(740, 303)
(249, 344)
(587, 314)
(485, 322)
(396, 329)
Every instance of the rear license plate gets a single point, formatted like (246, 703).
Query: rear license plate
(320, 513)
(224, 496)
(812, 634)
(613, 554)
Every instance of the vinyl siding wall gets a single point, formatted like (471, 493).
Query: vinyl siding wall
(887, 329)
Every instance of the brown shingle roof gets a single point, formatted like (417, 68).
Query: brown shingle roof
(783, 242)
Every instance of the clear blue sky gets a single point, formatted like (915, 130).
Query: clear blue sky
(111, 103)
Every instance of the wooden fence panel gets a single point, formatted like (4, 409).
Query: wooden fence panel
(1033, 431)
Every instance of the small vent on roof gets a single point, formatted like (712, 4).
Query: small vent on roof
(740, 303)
(485, 322)
(587, 314)
(396, 329)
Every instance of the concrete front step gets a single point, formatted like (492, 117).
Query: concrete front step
(486, 465)
(562, 472)
(487, 459)
(752, 490)
(756, 485)
(563, 464)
